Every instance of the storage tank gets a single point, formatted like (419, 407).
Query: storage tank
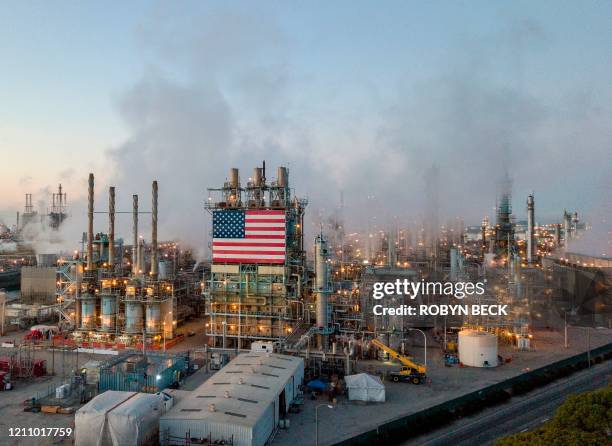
(133, 317)
(477, 348)
(88, 312)
(109, 310)
(153, 317)
(165, 269)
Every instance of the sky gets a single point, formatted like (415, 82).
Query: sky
(358, 98)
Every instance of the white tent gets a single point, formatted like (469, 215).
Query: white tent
(364, 387)
(118, 419)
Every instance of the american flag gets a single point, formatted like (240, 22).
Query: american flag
(248, 236)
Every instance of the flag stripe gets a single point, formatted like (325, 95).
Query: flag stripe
(264, 244)
(264, 220)
(278, 229)
(266, 236)
(250, 260)
(246, 251)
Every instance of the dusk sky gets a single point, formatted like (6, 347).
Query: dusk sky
(355, 96)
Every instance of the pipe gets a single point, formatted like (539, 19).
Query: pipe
(111, 228)
(135, 234)
(154, 266)
(141, 257)
(90, 212)
(530, 231)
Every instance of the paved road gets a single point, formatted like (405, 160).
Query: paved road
(518, 415)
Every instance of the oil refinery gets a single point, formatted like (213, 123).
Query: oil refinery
(341, 307)
(305, 223)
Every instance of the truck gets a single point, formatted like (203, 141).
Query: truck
(410, 371)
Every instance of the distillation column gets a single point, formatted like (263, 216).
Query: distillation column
(134, 235)
(154, 234)
(90, 212)
(322, 289)
(111, 229)
(530, 230)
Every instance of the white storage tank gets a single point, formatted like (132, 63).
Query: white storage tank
(477, 348)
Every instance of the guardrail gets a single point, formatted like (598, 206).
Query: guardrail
(418, 423)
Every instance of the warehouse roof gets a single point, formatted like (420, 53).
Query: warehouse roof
(241, 391)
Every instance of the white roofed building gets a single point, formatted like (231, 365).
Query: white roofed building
(241, 404)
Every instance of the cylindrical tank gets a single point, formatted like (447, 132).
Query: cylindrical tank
(109, 310)
(88, 312)
(133, 317)
(165, 269)
(153, 317)
(282, 177)
(233, 177)
(257, 176)
(477, 348)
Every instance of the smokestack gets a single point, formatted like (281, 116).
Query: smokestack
(530, 231)
(90, 212)
(111, 228)
(135, 234)
(141, 262)
(263, 170)
(154, 233)
(17, 220)
(234, 184)
(257, 176)
(282, 177)
(234, 177)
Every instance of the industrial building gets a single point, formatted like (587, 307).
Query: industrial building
(241, 405)
(258, 272)
(120, 296)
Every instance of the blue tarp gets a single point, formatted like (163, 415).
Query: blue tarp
(317, 384)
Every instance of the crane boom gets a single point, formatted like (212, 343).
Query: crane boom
(401, 358)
